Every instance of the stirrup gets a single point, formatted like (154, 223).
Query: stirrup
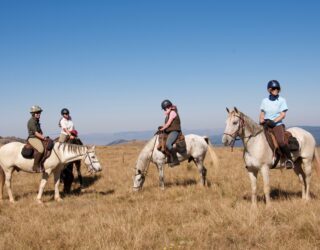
(289, 164)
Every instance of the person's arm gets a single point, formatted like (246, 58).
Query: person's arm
(40, 136)
(280, 117)
(261, 118)
(172, 115)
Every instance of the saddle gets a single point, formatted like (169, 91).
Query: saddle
(28, 150)
(289, 139)
(179, 144)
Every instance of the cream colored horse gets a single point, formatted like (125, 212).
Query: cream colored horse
(62, 153)
(258, 155)
(197, 147)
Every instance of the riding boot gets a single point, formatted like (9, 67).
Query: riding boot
(173, 158)
(286, 151)
(37, 162)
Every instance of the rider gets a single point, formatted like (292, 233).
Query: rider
(273, 111)
(36, 137)
(172, 127)
(67, 127)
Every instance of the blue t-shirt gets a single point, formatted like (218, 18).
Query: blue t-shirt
(273, 108)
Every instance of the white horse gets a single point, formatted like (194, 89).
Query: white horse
(259, 156)
(197, 147)
(62, 153)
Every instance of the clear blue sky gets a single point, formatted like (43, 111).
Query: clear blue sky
(112, 62)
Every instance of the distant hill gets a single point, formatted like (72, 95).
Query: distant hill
(5, 140)
(106, 138)
(315, 131)
(119, 142)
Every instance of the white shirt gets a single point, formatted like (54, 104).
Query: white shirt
(66, 124)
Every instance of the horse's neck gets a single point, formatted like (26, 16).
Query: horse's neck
(69, 152)
(146, 154)
(253, 136)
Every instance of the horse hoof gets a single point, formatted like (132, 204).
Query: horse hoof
(12, 201)
(58, 199)
(39, 201)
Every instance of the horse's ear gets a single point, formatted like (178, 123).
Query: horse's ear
(93, 148)
(235, 109)
(228, 110)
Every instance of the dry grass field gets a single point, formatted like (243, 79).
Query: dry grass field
(108, 215)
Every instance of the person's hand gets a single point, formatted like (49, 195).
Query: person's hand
(160, 128)
(270, 123)
(71, 137)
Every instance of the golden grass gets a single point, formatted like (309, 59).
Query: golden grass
(109, 215)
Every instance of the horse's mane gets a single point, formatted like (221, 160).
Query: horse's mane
(145, 153)
(73, 148)
(251, 125)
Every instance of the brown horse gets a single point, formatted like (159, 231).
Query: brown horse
(67, 176)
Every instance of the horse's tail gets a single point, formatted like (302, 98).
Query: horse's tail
(213, 154)
(2, 179)
(317, 161)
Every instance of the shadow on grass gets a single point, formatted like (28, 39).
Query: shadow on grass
(185, 183)
(279, 194)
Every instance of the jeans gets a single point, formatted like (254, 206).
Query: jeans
(172, 137)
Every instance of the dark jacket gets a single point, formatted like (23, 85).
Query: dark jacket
(175, 125)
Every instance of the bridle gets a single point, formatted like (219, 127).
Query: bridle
(92, 169)
(238, 134)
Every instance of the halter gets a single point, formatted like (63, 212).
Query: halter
(237, 134)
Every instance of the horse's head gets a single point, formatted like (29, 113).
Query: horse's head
(92, 161)
(234, 127)
(138, 180)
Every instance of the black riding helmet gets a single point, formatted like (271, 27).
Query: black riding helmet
(273, 84)
(65, 111)
(166, 104)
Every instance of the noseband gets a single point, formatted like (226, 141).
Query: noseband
(91, 162)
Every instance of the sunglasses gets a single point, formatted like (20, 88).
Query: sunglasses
(37, 113)
(65, 114)
(275, 89)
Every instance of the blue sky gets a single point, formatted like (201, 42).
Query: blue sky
(113, 62)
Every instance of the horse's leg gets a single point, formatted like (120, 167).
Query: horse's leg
(56, 174)
(8, 175)
(266, 184)
(44, 179)
(302, 177)
(253, 173)
(67, 177)
(307, 165)
(78, 167)
(161, 176)
(202, 171)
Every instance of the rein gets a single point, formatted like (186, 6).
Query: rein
(150, 157)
